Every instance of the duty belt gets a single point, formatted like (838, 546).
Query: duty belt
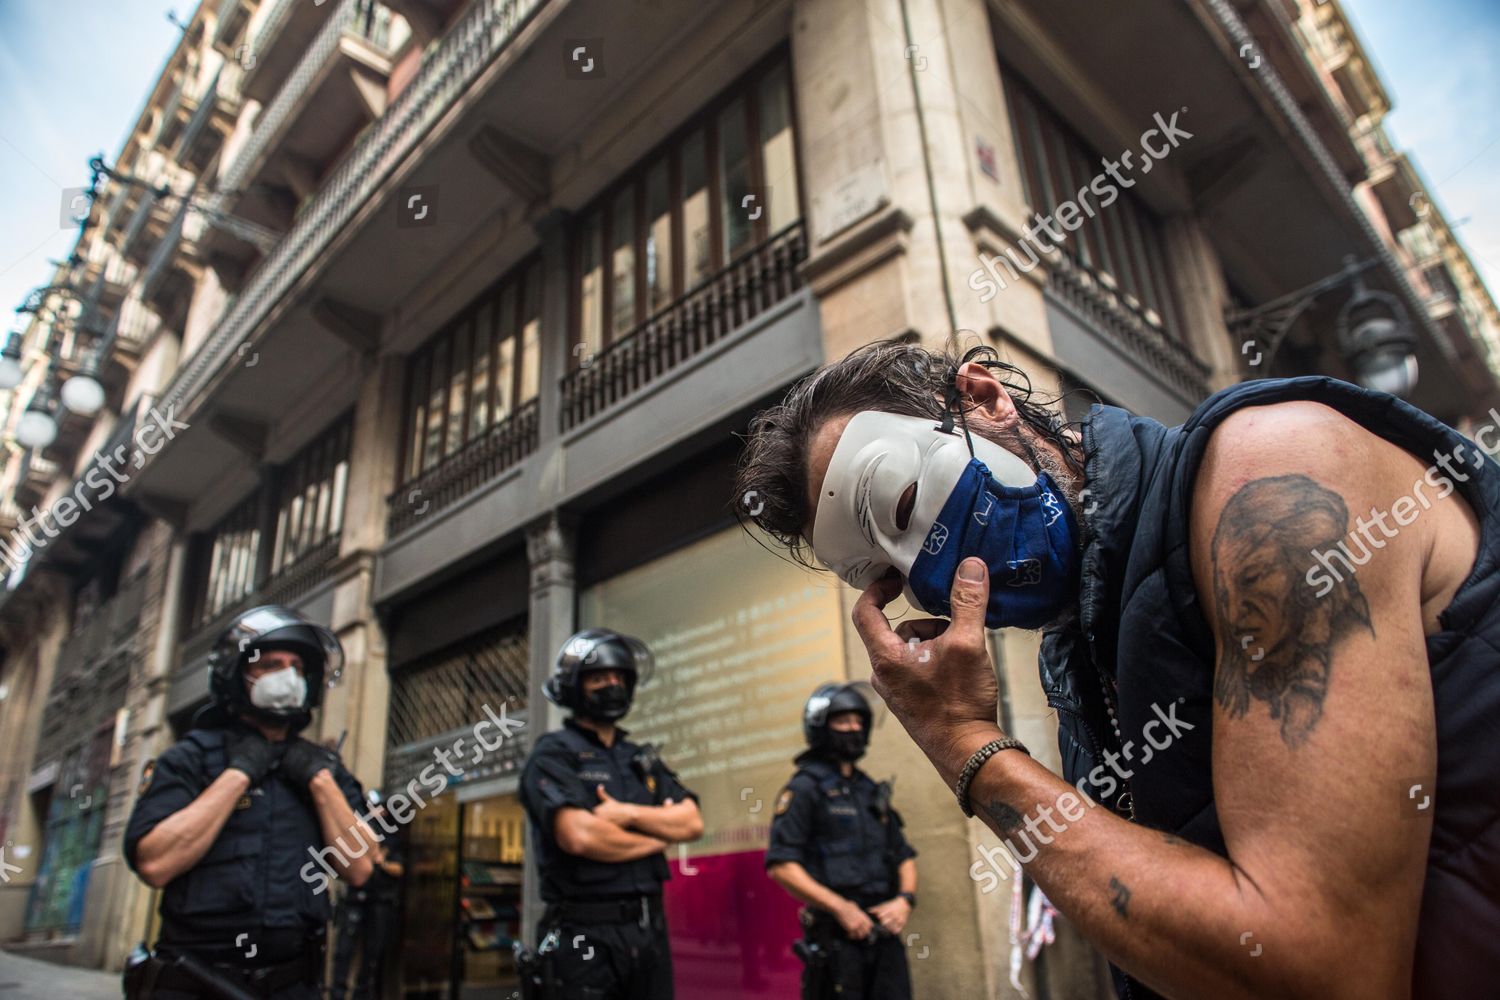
(264, 979)
(630, 909)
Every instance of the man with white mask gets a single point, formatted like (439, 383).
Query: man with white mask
(1276, 723)
(226, 816)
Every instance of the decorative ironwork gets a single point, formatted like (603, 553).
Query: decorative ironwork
(463, 472)
(441, 698)
(1126, 328)
(470, 46)
(763, 277)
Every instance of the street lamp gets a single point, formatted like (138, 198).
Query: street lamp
(82, 393)
(1375, 335)
(1377, 341)
(37, 427)
(10, 361)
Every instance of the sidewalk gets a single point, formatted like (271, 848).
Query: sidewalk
(30, 979)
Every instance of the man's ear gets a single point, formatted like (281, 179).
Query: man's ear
(979, 386)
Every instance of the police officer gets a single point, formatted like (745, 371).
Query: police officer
(602, 811)
(837, 845)
(367, 919)
(227, 816)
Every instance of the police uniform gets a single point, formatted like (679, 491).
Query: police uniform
(844, 832)
(368, 914)
(612, 933)
(244, 907)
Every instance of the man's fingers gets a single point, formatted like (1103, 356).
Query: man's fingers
(921, 628)
(870, 621)
(970, 597)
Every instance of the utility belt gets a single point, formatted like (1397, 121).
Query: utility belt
(147, 972)
(625, 910)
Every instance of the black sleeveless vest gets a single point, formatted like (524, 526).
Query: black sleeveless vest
(1141, 629)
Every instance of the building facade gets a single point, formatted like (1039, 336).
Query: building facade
(437, 320)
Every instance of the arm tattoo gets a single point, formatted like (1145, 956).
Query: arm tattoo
(1007, 819)
(1119, 896)
(1277, 636)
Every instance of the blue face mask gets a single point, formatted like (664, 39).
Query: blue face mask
(1027, 537)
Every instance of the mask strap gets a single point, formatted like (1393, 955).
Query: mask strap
(952, 402)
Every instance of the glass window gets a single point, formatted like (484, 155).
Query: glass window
(696, 232)
(483, 355)
(417, 418)
(658, 237)
(734, 180)
(531, 335)
(778, 149)
(458, 388)
(590, 287)
(505, 364)
(432, 445)
(310, 498)
(622, 263)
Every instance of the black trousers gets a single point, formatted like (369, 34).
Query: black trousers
(613, 961)
(372, 924)
(872, 969)
(301, 991)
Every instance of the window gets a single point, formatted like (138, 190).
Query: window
(310, 496)
(724, 184)
(476, 372)
(233, 550)
(1121, 242)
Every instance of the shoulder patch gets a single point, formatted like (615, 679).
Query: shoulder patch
(146, 773)
(784, 801)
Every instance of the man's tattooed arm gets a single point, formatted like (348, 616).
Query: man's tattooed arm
(1278, 631)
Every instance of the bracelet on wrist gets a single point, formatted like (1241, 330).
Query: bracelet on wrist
(975, 762)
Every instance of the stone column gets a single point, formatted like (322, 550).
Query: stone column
(550, 547)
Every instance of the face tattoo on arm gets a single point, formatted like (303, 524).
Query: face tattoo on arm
(1277, 635)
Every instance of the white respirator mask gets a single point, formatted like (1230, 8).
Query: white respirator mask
(279, 690)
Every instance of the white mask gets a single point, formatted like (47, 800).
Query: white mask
(280, 689)
(878, 457)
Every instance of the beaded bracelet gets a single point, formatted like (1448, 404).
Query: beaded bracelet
(984, 753)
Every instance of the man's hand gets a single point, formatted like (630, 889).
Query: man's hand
(621, 814)
(855, 921)
(303, 760)
(942, 687)
(247, 750)
(892, 914)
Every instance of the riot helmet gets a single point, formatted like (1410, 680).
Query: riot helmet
(832, 699)
(598, 649)
(263, 629)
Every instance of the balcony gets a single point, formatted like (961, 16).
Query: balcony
(485, 30)
(213, 121)
(279, 30)
(336, 90)
(759, 280)
(230, 21)
(461, 473)
(1085, 315)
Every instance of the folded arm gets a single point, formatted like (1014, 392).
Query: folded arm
(579, 831)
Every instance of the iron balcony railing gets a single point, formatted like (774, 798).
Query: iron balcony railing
(1108, 314)
(469, 47)
(761, 278)
(467, 469)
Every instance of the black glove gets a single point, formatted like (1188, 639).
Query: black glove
(247, 750)
(303, 760)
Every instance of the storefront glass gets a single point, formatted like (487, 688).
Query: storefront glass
(741, 638)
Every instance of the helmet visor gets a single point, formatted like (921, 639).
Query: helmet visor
(249, 629)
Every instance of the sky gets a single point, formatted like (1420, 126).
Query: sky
(75, 73)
